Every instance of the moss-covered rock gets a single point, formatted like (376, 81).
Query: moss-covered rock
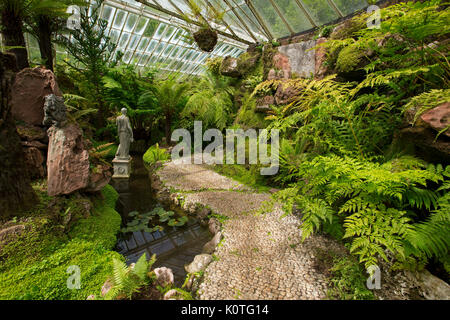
(350, 58)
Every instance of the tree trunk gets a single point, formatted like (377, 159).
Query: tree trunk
(45, 40)
(16, 193)
(12, 31)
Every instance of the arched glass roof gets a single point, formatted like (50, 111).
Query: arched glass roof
(152, 32)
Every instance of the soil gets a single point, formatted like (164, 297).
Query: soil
(206, 39)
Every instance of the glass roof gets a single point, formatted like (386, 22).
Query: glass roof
(151, 32)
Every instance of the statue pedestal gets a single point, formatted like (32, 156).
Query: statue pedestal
(122, 168)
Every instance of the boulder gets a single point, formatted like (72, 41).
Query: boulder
(173, 295)
(106, 287)
(424, 144)
(285, 95)
(67, 160)
(164, 276)
(200, 263)
(214, 225)
(229, 67)
(211, 245)
(282, 64)
(431, 287)
(302, 59)
(34, 161)
(438, 118)
(28, 94)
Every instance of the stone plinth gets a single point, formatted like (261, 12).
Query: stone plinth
(122, 168)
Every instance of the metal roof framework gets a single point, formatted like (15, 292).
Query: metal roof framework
(153, 32)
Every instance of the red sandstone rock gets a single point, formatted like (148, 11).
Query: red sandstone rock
(438, 118)
(67, 160)
(28, 92)
(281, 62)
(285, 95)
(34, 161)
(321, 57)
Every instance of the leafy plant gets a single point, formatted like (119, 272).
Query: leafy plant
(155, 154)
(127, 281)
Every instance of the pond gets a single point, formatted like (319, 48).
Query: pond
(174, 246)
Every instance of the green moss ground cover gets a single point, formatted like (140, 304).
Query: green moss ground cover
(35, 265)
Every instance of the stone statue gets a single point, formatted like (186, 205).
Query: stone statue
(54, 111)
(125, 135)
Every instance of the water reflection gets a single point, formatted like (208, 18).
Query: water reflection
(174, 246)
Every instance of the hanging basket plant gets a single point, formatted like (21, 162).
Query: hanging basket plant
(206, 39)
(203, 15)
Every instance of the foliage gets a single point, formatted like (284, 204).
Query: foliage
(170, 97)
(155, 154)
(348, 281)
(247, 116)
(369, 204)
(210, 102)
(91, 54)
(37, 262)
(213, 65)
(127, 281)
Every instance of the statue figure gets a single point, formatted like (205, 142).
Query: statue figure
(54, 111)
(125, 135)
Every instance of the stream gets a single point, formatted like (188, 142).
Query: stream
(174, 246)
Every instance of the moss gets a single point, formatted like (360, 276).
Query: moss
(348, 29)
(36, 263)
(349, 58)
(247, 117)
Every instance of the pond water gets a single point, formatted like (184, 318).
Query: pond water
(174, 246)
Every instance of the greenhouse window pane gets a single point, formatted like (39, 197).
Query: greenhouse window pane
(320, 11)
(124, 40)
(143, 60)
(151, 28)
(133, 42)
(114, 36)
(160, 31)
(126, 58)
(159, 48)
(141, 25)
(168, 50)
(131, 22)
(108, 13)
(271, 18)
(120, 19)
(152, 46)
(294, 16)
(169, 33)
(349, 6)
(143, 44)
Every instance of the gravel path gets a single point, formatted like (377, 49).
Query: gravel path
(261, 255)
